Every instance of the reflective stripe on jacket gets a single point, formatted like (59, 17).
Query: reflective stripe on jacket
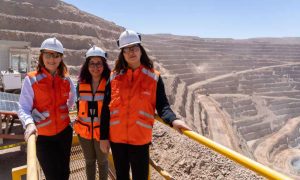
(132, 105)
(51, 94)
(89, 110)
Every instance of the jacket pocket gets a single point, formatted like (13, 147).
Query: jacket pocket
(82, 129)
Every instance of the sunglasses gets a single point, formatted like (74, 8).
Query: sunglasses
(134, 48)
(49, 55)
(95, 65)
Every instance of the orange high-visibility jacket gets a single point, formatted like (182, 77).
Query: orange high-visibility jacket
(89, 111)
(132, 105)
(50, 97)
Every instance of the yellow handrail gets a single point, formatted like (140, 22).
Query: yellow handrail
(32, 170)
(239, 158)
(160, 170)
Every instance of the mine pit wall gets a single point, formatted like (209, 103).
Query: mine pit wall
(200, 116)
(171, 84)
(287, 137)
(69, 41)
(176, 92)
(253, 121)
(176, 89)
(289, 140)
(32, 24)
(55, 10)
(182, 95)
(75, 46)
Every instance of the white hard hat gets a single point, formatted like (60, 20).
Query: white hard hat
(96, 51)
(52, 44)
(127, 38)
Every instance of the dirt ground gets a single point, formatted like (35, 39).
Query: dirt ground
(183, 158)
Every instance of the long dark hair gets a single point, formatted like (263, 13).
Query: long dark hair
(85, 75)
(62, 69)
(121, 63)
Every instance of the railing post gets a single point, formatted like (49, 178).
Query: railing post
(32, 170)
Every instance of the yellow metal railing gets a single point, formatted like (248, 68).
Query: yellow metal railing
(160, 170)
(18, 172)
(32, 170)
(32, 164)
(239, 158)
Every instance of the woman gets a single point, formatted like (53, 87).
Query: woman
(90, 92)
(134, 92)
(46, 96)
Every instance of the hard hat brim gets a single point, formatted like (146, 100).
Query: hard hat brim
(125, 45)
(50, 49)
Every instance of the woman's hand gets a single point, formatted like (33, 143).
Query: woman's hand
(30, 129)
(104, 146)
(179, 125)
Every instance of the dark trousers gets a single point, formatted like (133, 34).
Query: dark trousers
(131, 156)
(92, 152)
(53, 153)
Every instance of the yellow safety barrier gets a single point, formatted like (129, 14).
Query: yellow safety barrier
(18, 172)
(75, 140)
(12, 145)
(239, 158)
(31, 169)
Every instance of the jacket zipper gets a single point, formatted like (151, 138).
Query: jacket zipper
(93, 115)
(128, 106)
(94, 110)
(54, 98)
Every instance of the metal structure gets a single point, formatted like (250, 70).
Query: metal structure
(8, 115)
(15, 62)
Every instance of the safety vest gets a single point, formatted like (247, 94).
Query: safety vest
(132, 105)
(50, 97)
(89, 111)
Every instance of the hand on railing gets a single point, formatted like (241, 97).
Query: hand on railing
(30, 129)
(179, 126)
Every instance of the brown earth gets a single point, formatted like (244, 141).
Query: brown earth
(183, 158)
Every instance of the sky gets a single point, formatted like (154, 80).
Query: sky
(238, 19)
